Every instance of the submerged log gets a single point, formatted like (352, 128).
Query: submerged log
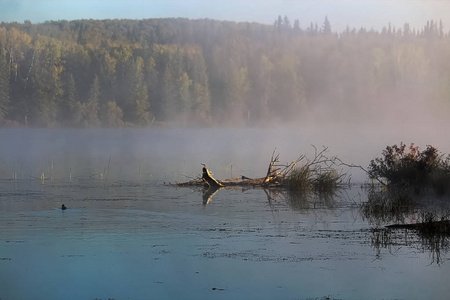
(442, 227)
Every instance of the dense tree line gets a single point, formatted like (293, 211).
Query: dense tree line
(117, 73)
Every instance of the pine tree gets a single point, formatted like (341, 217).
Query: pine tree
(47, 80)
(4, 87)
(92, 106)
(326, 28)
(70, 113)
(140, 95)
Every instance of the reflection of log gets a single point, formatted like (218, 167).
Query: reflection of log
(209, 192)
(207, 177)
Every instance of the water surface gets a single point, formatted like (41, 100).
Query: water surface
(128, 234)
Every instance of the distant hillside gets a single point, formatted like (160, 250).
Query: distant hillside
(180, 72)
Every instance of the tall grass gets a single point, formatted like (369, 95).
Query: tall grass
(328, 181)
(300, 179)
(319, 175)
(306, 179)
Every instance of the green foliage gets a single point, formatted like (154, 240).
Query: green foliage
(212, 72)
(47, 70)
(69, 115)
(113, 116)
(412, 168)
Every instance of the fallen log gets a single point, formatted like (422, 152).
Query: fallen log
(318, 173)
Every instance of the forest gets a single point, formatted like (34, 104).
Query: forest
(181, 72)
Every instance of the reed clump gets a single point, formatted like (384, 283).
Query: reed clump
(327, 181)
(306, 180)
(300, 179)
(320, 174)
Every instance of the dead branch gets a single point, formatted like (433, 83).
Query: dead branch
(209, 179)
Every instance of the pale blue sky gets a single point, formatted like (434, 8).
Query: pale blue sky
(355, 13)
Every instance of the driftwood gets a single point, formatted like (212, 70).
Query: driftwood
(275, 177)
(277, 174)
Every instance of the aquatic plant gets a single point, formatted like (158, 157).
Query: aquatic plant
(300, 179)
(319, 174)
(434, 232)
(327, 181)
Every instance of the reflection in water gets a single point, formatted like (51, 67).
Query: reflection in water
(436, 244)
(209, 192)
(296, 200)
(301, 201)
(391, 240)
(414, 225)
(427, 234)
(387, 206)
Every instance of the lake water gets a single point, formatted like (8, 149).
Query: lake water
(129, 234)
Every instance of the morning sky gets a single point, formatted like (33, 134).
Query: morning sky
(354, 13)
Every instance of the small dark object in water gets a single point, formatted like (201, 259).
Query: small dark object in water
(63, 207)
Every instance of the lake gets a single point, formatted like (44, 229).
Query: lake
(130, 234)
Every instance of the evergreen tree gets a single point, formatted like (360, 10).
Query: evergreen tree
(70, 107)
(4, 87)
(296, 27)
(326, 28)
(47, 80)
(113, 115)
(203, 71)
(91, 108)
(140, 95)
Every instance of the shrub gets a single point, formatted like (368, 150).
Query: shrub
(411, 167)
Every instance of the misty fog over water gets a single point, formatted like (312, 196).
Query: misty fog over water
(168, 154)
